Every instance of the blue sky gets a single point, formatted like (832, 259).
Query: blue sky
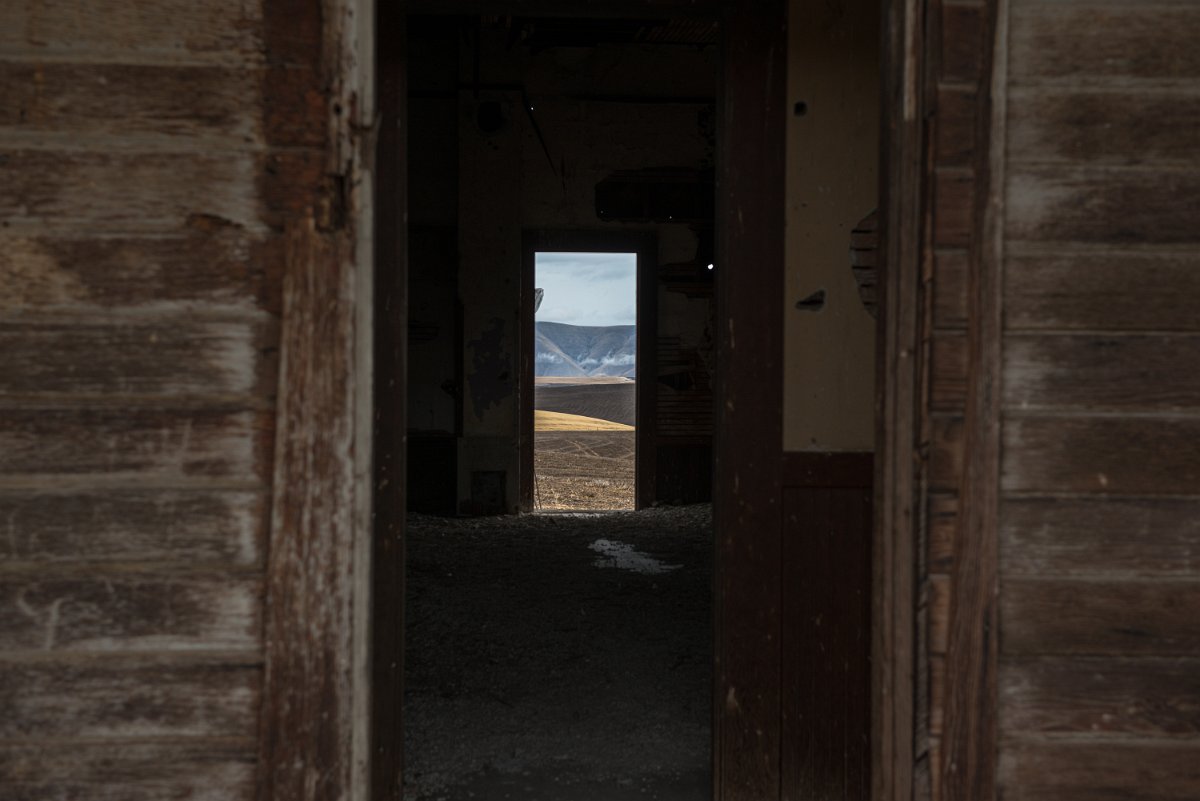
(587, 288)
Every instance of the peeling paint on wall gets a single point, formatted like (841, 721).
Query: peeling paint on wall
(491, 376)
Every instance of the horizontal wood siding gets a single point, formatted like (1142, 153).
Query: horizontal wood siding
(1101, 462)
(152, 156)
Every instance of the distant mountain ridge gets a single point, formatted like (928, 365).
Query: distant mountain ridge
(581, 350)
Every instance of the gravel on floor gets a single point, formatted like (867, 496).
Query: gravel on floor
(564, 657)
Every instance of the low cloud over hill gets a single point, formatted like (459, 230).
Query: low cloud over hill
(577, 350)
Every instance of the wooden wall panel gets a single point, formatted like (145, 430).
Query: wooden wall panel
(210, 268)
(131, 697)
(206, 357)
(1099, 645)
(1056, 771)
(152, 155)
(1101, 289)
(127, 772)
(202, 529)
(129, 613)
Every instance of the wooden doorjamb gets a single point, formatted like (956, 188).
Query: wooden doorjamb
(747, 514)
(898, 383)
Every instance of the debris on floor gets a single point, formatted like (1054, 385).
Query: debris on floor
(559, 657)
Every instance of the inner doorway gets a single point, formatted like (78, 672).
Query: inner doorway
(585, 380)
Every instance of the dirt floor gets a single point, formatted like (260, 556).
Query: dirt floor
(557, 657)
(583, 470)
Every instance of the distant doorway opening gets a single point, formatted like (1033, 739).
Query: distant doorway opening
(588, 322)
(585, 380)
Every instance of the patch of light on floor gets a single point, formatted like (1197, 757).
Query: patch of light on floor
(624, 557)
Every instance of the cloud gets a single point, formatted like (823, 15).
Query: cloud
(596, 289)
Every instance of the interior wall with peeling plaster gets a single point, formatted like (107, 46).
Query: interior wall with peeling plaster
(833, 174)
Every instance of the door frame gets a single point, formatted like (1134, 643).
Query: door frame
(645, 245)
(354, 740)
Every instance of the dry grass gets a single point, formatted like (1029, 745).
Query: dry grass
(560, 421)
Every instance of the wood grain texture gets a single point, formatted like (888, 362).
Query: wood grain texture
(138, 105)
(112, 445)
(954, 129)
(1102, 42)
(161, 358)
(1118, 537)
(1151, 698)
(943, 531)
(1113, 206)
(950, 269)
(825, 707)
(143, 697)
(125, 193)
(1102, 291)
(1113, 126)
(203, 771)
(128, 613)
(305, 727)
(945, 453)
(964, 42)
(192, 528)
(1049, 616)
(1132, 373)
(1091, 771)
(746, 511)
(954, 209)
(164, 32)
(210, 268)
(1150, 456)
(948, 372)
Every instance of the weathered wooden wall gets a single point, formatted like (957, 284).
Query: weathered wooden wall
(164, 168)
(1057, 648)
(1099, 525)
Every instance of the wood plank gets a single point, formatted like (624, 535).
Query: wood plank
(1102, 372)
(1060, 616)
(955, 126)
(1117, 696)
(954, 208)
(1102, 291)
(159, 358)
(124, 613)
(948, 372)
(812, 469)
(1110, 206)
(129, 771)
(119, 445)
(209, 268)
(305, 741)
(163, 32)
(945, 453)
(1092, 771)
(1116, 126)
(746, 512)
(963, 42)
(825, 708)
(135, 104)
(941, 594)
(1113, 536)
(123, 193)
(950, 271)
(1101, 42)
(192, 528)
(128, 697)
(1133, 456)
(943, 532)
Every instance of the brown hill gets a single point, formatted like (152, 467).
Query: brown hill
(613, 402)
